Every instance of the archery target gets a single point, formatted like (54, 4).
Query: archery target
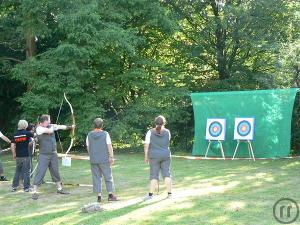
(244, 129)
(215, 129)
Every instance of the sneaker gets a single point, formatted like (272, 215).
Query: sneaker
(148, 197)
(169, 195)
(35, 196)
(3, 178)
(99, 199)
(13, 189)
(62, 192)
(113, 198)
(26, 190)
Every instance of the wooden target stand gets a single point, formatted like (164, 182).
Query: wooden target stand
(250, 148)
(221, 147)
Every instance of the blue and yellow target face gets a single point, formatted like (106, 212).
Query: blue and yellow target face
(215, 129)
(244, 128)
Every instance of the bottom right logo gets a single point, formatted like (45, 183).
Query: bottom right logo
(286, 210)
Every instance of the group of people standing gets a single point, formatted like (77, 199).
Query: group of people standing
(99, 147)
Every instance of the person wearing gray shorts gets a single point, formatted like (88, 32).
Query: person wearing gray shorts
(101, 153)
(158, 155)
(48, 154)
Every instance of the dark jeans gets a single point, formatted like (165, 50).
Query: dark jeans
(22, 170)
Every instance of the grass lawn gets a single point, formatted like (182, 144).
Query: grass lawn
(205, 192)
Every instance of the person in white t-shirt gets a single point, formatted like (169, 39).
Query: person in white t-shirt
(158, 155)
(2, 177)
(101, 154)
(48, 158)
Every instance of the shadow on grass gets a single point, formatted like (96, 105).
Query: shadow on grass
(206, 192)
(107, 214)
(35, 219)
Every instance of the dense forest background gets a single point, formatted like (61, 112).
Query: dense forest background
(130, 60)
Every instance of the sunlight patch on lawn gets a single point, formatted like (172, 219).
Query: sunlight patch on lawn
(52, 209)
(260, 177)
(195, 190)
(122, 204)
(255, 176)
(236, 205)
(180, 200)
(68, 219)
(204, 192)
(289, 165)
(220, 220)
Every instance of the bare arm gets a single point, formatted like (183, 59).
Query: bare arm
(146, 149)
(111, 154)
(87, 144)
(13, 150)
(4, 138)
(62, 127)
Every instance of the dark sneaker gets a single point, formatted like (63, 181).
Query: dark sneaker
(3, 178)
(99, 199)
(13, 189)
(35, 196)
(113, 198)
(62, 192)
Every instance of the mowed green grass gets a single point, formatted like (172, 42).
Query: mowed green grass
(205, 192)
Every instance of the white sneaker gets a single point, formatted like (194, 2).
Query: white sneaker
(148, 197)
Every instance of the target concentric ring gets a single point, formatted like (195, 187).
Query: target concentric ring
(244, 128)
(215, 129)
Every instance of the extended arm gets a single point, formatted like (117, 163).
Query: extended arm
(4, 138)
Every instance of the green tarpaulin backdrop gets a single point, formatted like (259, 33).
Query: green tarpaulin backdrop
(272, 110)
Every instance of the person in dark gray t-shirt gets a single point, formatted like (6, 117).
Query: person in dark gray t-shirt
(48, 158)
(158, 155)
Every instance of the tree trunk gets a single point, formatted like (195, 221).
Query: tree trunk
(30, 50)
(220, 34)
